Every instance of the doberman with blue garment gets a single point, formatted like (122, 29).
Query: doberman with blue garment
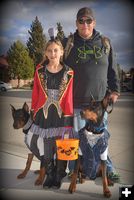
(93, 145)
(22, 119)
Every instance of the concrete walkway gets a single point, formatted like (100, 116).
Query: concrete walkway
(10, 186)
(13, 154)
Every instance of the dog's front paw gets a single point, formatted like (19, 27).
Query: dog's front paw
(38, 181)
(107, 193)
(72, 188)
(22, 175)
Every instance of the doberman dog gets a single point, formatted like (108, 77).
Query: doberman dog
(89, 137)
(22, 119)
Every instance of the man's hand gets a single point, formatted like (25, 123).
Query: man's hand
(114, 96)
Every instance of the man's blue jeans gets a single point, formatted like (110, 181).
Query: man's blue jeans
(79, 124)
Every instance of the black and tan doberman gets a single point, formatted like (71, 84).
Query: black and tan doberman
(94, 112)
(22, 119)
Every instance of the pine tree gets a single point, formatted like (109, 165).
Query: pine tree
(60, 34)
(36, 41)
(21, 65)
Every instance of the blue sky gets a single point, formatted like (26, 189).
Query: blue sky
(114, 19)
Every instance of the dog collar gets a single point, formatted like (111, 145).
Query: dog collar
(27, 126)
(96, 130)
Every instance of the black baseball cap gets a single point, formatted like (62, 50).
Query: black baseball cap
(85, 12)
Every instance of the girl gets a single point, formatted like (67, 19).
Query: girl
(52, 106)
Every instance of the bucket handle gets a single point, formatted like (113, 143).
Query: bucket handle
(69, 132)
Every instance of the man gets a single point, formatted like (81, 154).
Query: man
(95, 71)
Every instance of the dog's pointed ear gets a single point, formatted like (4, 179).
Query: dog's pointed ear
(26, 107)
(92, 98)
(107, 105)
(12, 108)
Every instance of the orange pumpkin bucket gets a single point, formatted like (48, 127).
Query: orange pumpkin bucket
(67, 149)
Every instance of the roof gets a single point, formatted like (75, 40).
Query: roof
(3, 62)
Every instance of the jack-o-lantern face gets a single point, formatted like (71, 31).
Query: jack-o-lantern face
(67, 149)
(67, 152)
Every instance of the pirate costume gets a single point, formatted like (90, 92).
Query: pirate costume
(52, 105)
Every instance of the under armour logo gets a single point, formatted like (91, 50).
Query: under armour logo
(126, 192)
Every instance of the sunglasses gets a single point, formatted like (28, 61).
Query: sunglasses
(83, 21)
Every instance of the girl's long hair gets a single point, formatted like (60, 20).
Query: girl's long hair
(56, 41)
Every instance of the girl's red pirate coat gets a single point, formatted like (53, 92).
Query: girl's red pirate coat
(40, 95)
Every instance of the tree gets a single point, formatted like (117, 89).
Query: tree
(60, 34)
(36, 41)
(21, 65)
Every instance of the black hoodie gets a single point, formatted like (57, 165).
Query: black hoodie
(95, 70)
